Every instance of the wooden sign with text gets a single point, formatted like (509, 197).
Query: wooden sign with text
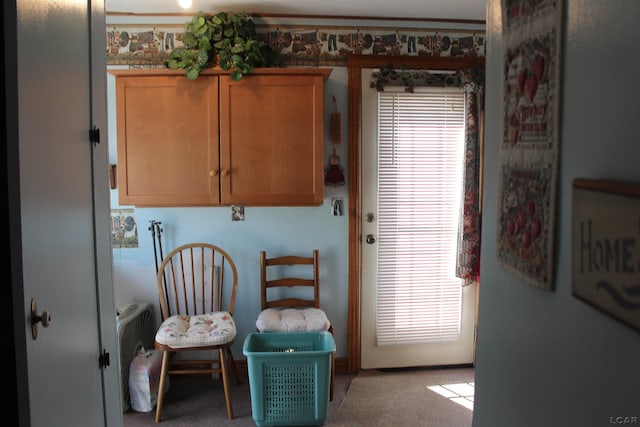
(606, 247)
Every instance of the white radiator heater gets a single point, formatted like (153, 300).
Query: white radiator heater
(136, 329)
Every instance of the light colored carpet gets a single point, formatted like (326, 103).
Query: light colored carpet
(199, 401)
(408, 398)
(373, 398)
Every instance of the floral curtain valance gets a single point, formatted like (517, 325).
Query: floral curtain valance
(472, 80)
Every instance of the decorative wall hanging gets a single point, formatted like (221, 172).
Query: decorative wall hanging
(334, 173)
(237, 212)
(606, 247)
(337, 208)
(529, 149)
(124, 229)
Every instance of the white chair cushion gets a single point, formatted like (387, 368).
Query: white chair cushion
(292, 320)
(200, 330)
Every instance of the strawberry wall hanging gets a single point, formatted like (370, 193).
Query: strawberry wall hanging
(532, 33)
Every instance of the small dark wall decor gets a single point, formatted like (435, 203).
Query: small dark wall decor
(606, 247)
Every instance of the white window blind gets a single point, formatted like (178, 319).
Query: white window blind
(421, 140)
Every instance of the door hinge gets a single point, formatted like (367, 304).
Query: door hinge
(94, 135)
(103, 360)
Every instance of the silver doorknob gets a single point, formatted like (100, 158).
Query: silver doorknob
(371, 239)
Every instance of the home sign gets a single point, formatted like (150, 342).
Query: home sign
(606, 247)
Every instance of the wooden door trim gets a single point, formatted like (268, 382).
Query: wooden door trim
(355, 64)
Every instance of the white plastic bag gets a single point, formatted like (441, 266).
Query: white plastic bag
(144, 380)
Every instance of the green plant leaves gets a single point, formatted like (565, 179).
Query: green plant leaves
(193, 73)
(190, 40)
(228, 38)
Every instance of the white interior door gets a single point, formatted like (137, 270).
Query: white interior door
(57, 232)
(381, 347)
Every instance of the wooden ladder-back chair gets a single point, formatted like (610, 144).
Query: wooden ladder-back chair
(197, 284)
(290, 297)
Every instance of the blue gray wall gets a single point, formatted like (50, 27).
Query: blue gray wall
(546, 358)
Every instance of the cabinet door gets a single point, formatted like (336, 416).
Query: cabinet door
(271, 140)
(167, 128)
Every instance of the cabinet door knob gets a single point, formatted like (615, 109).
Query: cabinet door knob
(213, 172)
(225, 172)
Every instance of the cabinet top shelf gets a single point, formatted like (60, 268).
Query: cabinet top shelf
(324, 72)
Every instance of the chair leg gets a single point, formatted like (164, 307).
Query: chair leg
(163, 379)
(225, 383)
(233, 365)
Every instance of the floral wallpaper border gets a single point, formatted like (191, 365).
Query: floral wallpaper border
(148, 45)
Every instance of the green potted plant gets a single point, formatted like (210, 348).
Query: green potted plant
(225, 39)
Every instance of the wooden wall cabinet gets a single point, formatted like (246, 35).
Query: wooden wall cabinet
(214, 141)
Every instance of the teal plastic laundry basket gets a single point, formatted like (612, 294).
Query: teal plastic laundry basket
(289, 377)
